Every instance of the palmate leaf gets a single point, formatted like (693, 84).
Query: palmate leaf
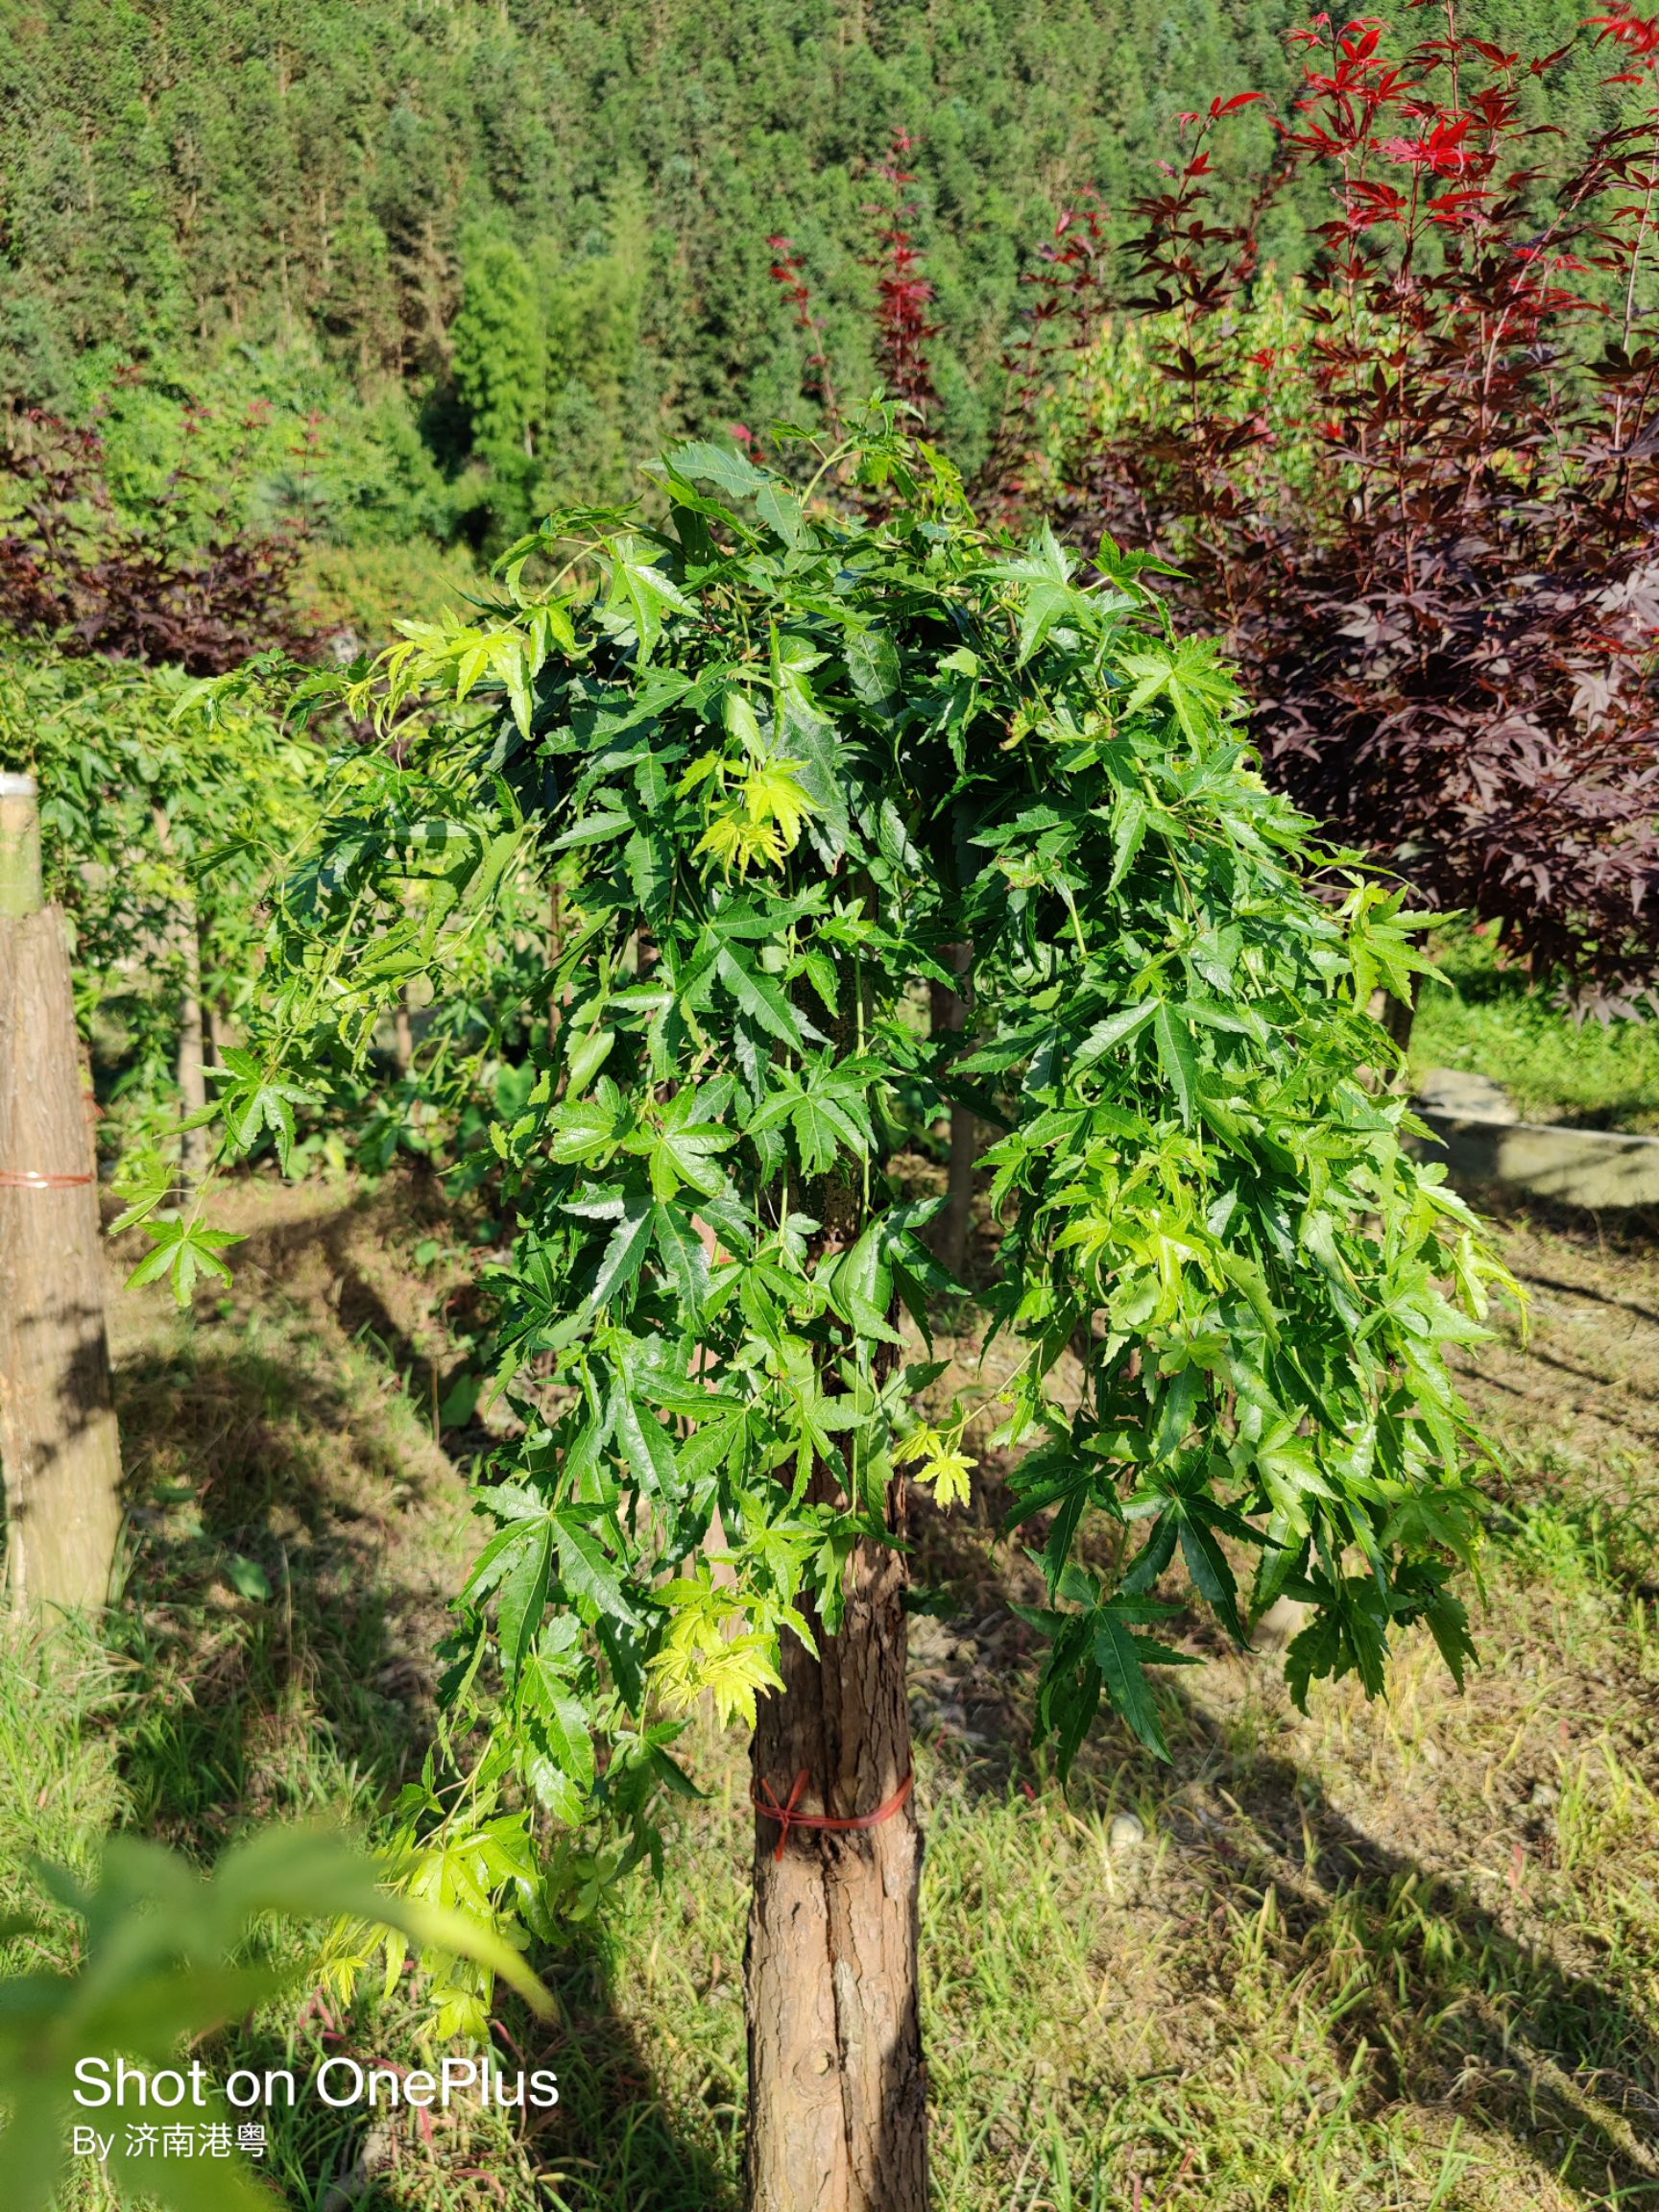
(1348, 1635)
(587, 1131)
(253, 1102)
(181, 1250)
(733, 1671)
(827, 1112)
(945, 1470)
(644, 593)
(1192, 677)
(772, 795)
(681, 1150)
(824, 1126)
(739, 842)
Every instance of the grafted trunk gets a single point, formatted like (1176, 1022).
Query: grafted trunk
(59, 1444)
(837, 2090)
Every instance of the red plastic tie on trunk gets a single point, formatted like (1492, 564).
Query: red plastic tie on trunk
(29, 1179)
(787, 1818)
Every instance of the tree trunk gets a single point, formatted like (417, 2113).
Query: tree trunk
(837, 2090)
(403, 1036)
(1396, 1017)
(950, 1010)
(59, 1444)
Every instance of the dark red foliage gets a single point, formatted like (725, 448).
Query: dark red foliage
(1450, 635)
(185, 584)
(789, 274)
(904, 291)
(904, 297)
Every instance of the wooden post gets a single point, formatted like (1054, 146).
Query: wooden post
(19, 847)
(59, 1445)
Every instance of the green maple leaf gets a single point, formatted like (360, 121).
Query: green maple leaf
(643, 594)
(183, 1249)
(253, 1099)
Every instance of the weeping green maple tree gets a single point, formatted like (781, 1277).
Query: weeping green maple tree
(803, 760)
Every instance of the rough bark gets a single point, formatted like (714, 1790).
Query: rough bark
(59, 1442)
(837, 2090)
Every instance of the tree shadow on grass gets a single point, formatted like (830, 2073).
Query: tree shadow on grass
(1456, 2010)
(282, 1649)
(1630, 1230)
(1448, 2008)
(361, 1247)
(290, 1560)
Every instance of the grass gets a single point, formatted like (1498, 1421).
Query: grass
(1401, 1955)
(1494, 1022)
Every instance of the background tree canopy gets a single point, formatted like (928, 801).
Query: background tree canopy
(464, 261)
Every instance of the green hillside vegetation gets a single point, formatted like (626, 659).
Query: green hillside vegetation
(432, 265)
